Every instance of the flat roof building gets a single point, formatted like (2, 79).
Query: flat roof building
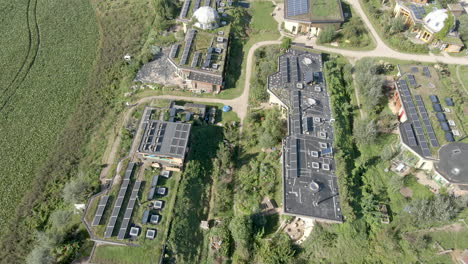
(452, 164)
(309, 184)
(163, 142)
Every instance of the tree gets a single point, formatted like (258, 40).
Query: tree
(327, 35)
(40, 255)
(165, 12)
(397, 25)
(60, 220)
(76, 191)
(241, 230)
(285, 43)
(277, 250)
(266, 140)
(463, 27)
(365, 131)
(388, 152)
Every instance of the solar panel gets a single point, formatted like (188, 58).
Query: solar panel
(297, 7)
(448, 101)
(207, 2)
(418, 11)
(427, 123)
(188, 45)
(154, 181)
(294, 70)
(412, 80)
(129, 210)
(184, 11)
(196, 5)
(414, 69)
(207, 61)
(174, 50)
(195, 59)
(118, 203)
(434, 98)
(410, 134)
(100, 210)
(426, 72)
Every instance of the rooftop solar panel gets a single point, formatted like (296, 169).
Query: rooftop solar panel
(196, 5)
(297, 7)
(207, 2)
(195, 59)
(184, 11)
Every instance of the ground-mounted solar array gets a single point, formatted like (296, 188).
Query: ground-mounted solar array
(207, 2)
(196, 5)
(426, 72)
(100, 210)
(412, 80)
(196, 57)
(129, 210)
(174, 50)
(187, 46)
(297, 7)
(185, 8)
(413, 121)
(309, 184)
(119, 201)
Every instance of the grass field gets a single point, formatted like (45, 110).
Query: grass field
(40, 84)
(78, 66)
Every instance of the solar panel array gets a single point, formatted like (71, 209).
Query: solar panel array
(119, 201)
(188, 45)
(129, 210)
(414, 69)
(297, 7)
(284, 69)
(185, 7)
(412, 80)
(207, 2)
(196, 5)
(294, 153)
(426, 72)
(294, 69)
(426, 121)
(418, 11)
(413, 117)
(207, 60)
(100, 210)
(174, 50)
(195, 59)
(296, 112)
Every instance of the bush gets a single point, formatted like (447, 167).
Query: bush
(327, 35)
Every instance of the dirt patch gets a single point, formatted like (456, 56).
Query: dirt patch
(159, 71)
(406, 192)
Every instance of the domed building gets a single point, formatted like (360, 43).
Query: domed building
(206, 18)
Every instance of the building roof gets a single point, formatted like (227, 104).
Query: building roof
(314, 11)
(452, 164)
(435, 20)
(162, 138)
(455, 7)
(205, 77)
(309, 184)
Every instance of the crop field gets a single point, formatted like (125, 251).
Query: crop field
(44, 70)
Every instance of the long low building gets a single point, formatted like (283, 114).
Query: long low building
(163, 142)
(309, 184)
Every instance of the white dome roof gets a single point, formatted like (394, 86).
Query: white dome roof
(206, 15)
(435, 19)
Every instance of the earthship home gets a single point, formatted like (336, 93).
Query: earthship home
(435, 27)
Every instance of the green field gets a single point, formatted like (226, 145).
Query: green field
(40, 84)
(58, 102)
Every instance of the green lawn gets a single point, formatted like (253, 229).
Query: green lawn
(125, 255)
(324, 9)
(262, 20)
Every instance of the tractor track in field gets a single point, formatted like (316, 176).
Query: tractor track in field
(34, 43)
